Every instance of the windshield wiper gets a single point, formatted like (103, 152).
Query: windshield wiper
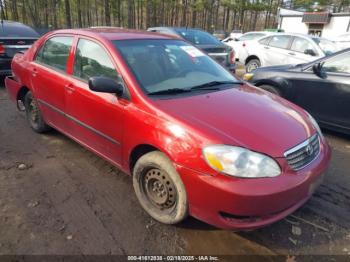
(170, 91)
(212, 84)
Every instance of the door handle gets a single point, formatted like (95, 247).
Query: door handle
(266, 47)
(34, 72)
(70, 88)
(291, 53)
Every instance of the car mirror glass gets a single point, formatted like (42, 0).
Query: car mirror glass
(309, 52)
(319, 71)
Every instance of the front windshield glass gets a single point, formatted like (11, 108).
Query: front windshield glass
(327, 46)
(198, 37)
(161, 65)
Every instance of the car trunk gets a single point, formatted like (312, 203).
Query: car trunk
(220, 53)
(13, 45)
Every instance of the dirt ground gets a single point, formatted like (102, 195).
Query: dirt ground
(58, 198)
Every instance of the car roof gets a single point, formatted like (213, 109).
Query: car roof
(7, 26)
(175, 28)
(114, 33)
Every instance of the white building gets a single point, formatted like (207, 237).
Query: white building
(325, 24)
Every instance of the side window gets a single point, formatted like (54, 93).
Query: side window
(265, 41)
(280, 41)
(301, 44)
(55, 52)
(92, 60)
(338, 64)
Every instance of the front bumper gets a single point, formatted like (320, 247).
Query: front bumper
(246, 204)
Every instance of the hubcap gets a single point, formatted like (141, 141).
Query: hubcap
(159, 189)
(252, 66)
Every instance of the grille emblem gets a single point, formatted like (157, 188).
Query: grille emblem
(21, 42)
(309, 150)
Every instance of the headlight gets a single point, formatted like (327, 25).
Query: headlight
(314, 123)
(240, 162)
(248, 76)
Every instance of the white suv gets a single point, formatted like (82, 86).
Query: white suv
(283, 48)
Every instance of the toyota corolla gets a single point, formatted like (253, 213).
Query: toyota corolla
(196, 140)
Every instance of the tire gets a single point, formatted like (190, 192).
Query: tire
(252, 64)
(34, 114)
(159, 188)
(271, 89)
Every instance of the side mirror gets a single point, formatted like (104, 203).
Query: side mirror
(310, 52)
(317, 69)
(106, 85)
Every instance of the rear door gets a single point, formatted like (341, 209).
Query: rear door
(49, 78)
(277, 52)
(299, 49)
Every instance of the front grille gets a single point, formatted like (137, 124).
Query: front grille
(304, 153)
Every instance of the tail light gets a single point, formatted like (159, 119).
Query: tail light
(2, 49)
(232, 57)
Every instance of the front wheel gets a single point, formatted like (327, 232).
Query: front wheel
(252, 64)
(159, 188)
(34, 115)
(271, 89)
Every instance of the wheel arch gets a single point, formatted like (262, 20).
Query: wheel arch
(137, 152)
(251, 57)
(279, 83)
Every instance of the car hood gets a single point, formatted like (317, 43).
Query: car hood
(243, 116)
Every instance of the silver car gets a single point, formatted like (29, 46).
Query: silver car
(284, 48)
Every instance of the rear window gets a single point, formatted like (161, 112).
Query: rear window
(281, 41)
(265, 41)
(198, 37)
(17, 30)
(55, 52)
(251, 36)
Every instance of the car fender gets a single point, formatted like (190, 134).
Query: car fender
(280, 83)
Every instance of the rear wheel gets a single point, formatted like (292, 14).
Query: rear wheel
(252, 64)
(34, 115)
(159, 188)
(271, 89)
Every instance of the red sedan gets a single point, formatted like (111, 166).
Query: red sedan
(196, 140)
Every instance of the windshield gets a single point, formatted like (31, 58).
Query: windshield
(327, 46)
(161, 65)
(198, 37)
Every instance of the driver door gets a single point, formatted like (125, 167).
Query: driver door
(97, 119)
(328, 98)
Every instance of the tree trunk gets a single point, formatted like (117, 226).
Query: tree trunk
(80, 24)
(107, 13)
(67, 10)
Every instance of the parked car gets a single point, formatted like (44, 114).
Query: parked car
(321, 87)
(14, 37)
(194, 138)
(283, 48)
(223, 54)
(241, 43)
(342, 41)
(236, 34)
(220, 34)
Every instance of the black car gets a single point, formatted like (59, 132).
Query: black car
(203, 40)
(14, 37)
(321, 87)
